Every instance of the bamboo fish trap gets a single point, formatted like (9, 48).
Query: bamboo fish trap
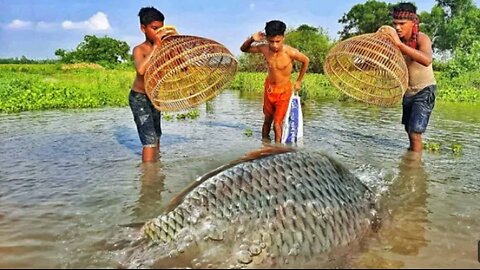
(187, 71)
(369, 68)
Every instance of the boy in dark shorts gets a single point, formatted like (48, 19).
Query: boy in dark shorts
(419, 99)
(146, 117)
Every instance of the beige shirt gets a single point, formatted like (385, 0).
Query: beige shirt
(419, 76)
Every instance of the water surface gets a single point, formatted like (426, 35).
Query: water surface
(70, 180)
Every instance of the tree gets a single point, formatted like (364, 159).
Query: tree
(252, 62)
(454, 28)
(455, 8)
(452, 24)
(459, 30)
(365, 18)
(313, 42)
(432, 23)
(465, 60)
(104, 50)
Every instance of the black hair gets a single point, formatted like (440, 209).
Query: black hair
(150, 14)
(405, 6)
(275, 28)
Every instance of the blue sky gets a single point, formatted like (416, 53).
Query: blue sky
(36, 28)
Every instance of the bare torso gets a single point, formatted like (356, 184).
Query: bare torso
(280, 65)
(139, 83)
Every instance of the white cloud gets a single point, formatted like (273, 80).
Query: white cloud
(19, 24)
(98, 22)
(45, 25)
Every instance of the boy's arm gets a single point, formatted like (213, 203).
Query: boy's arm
(424, 53)
(140, 59)
(296, 55)
(247, 45)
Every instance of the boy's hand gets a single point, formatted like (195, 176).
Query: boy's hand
(162, 33)
(259, 36)
(390, 31)
(297, 86)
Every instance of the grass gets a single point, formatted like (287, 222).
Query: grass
(26, 87)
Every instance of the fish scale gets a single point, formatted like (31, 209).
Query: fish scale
(303, 203)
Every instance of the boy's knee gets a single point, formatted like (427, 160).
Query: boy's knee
(277, 125)
(268, 121)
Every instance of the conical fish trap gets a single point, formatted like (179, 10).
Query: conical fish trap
(186, 71)
(369, 68)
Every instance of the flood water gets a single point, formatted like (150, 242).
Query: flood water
(71, 180)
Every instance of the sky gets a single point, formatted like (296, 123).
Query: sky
(36, 28)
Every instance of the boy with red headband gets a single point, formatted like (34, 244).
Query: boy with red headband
(419, 99)
(278, 87)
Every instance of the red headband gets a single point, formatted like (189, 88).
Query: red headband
(407, 15)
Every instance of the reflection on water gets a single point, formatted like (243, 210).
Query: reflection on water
(150, 194)
(403, 232)
(71, 180)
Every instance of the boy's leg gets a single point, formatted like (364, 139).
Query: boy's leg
(406, 113)
(144, 120)
(267, 125)
(281, 107)
(278, 132)
(157, 116)
(149, 154)
(415, 141)
(268, 110)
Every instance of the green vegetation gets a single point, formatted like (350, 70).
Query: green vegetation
(457, 148)
(463, 88)
(41, 87)
(25, 87)
(191, 114)
(248, 132)
(365, 18)
(104, 50)
(432, 146)
(435, 147)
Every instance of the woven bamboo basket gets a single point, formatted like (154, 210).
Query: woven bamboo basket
(369, 68)
(187, 71)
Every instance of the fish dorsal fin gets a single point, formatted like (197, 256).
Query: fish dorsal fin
(257, 154)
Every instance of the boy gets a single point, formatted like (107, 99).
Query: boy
(146, 117)
(278, 87)
(419, 99)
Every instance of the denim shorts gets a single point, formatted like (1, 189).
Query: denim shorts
(146, 117)
(417, 109)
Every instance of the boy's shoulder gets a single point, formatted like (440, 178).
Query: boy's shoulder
(141, 46)
(423, 40)
(291, 50)
(423, 35)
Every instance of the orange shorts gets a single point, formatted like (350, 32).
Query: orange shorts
(275, 101)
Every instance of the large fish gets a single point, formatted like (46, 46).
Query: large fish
(277, 207)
